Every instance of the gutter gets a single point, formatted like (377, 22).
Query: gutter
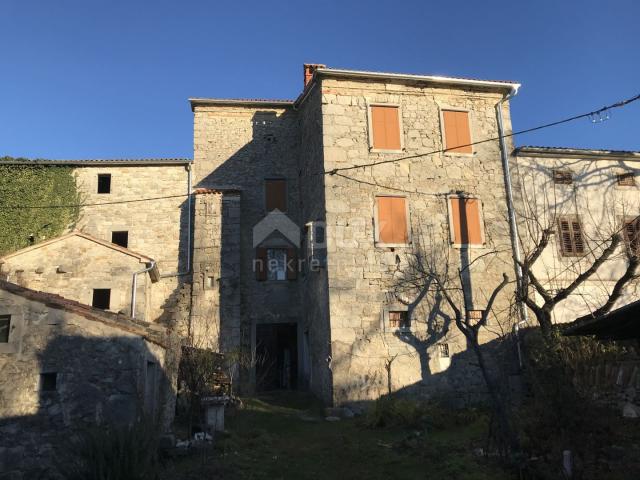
(134, 285)
(513, 226)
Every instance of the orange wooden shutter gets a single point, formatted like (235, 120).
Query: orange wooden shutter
(276, 195)
(467, 229)
(392, 220)
(292, 264)
(261, 264)
(456, 131)
(385, 123)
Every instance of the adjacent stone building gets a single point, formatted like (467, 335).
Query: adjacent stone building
(64, 366)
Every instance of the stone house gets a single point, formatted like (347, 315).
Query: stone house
(288, 241)
(64, 366)
(80, 267)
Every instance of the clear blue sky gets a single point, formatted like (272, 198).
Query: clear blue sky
(111, 78)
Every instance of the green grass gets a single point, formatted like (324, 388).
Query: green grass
(285, 436)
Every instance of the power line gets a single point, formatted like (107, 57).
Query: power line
(594, 113)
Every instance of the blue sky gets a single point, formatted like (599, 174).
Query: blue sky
(111, 78)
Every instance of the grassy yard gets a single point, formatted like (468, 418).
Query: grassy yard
(285, 436)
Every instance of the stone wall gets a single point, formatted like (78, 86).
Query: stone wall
(596, 198)
(237, 148)
(157, 228)
(105, 368)
(74, 266)
(362, 276)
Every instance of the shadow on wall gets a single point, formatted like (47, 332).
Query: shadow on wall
(73, 383)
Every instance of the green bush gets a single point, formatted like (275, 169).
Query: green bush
(50, 193)
(112, 453)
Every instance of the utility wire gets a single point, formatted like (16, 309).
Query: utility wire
(593, 113)
(334, 171)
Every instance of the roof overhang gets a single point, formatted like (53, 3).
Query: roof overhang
(239, 102)
(431, 79)
(621, 324)
(555, 152)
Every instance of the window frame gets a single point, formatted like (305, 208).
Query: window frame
(452, 232)
(120, 232)
(372, 149)
(98, 192)
(443, 132)
(376, 223)
(93, 293)
(570, 219)
(631, 175)
(286, 193)
(386, 318)
(8, 317)
(627, 241)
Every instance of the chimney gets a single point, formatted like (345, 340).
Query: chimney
(309, 68)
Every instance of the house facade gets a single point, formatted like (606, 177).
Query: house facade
(294, 239)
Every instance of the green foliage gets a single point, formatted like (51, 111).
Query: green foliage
(35, 185)
(112, 453)
(412, 413)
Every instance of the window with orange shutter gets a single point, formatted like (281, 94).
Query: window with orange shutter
(632, 235)
(457, 134)
(466, 222)
(571, 237)
(275, 194)
(385, 125)
(392, 220)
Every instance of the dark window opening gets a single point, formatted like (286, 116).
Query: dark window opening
(626, 179)
(562, 177)
(101, 298)
(399, 320)
(104, 183)
(5, 326)
(48, 382)
(120, 238)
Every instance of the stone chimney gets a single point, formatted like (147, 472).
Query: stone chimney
(309, 68)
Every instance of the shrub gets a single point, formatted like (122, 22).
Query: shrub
(112, 453)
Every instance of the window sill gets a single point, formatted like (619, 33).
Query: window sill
(392, 245)
(467, 246)
(459, 154)
(383, 150)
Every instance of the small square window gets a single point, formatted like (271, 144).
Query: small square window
(104, 183)
(562, 177)
(48, 382)
(5, 328)
(101, 298)
(399, 319)
(444, 350)
(626, 179)
(475, 315)
(120, 238)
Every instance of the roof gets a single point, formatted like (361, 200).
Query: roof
(154, 333)
(500, 85)
(154, 273)
(100, 162)
(621, 324)
(240, 102)
(535, 151)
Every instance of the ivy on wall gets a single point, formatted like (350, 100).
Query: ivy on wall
(39, 186)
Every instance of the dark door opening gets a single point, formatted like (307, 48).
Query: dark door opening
(277, 356)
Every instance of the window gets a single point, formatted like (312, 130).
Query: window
(385, 127)
(571, 239)
(316, 245)
(475, 315)
(48, 382)
(457, 135)
(5, 326)
(466, 223)
(101, 298)
(104, 183)
(276, 264)
(626, 179)
(631, 236)
(444, 350)
(120, 238)
(275, 195)
(562, 177)
(399, 320)
(391, 226)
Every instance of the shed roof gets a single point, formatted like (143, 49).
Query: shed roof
(620, 324)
